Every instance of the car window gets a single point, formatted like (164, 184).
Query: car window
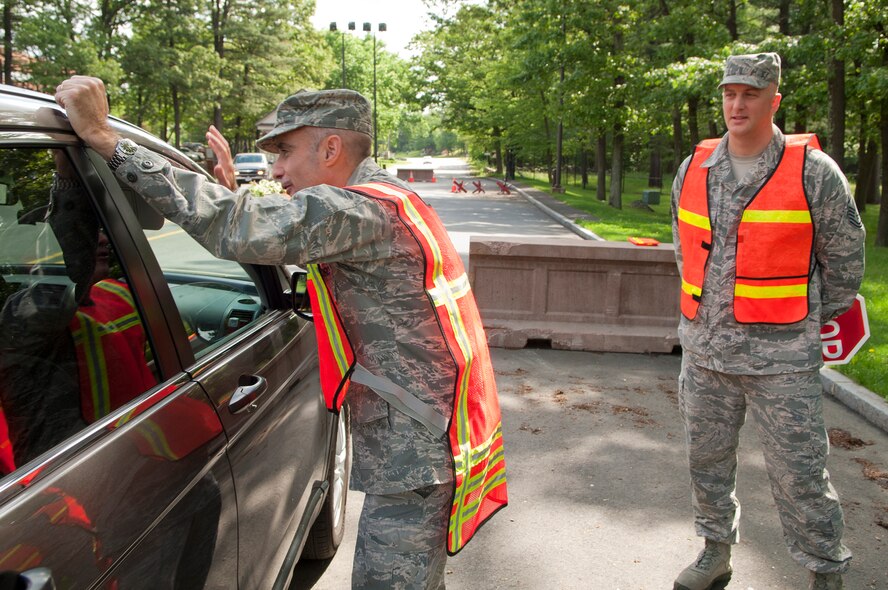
(72, 343)
(249, 159)
(217, 299)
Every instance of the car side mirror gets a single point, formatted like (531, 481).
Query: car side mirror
(300, 302)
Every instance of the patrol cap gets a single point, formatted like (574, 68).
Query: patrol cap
(755, 69)
(330, 109)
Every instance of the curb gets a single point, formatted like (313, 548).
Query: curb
(858, 399)
(580, 231)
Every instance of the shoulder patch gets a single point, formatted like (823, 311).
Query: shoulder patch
(853, 215)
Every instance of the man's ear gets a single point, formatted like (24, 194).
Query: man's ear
(775, 103)
(333, 150)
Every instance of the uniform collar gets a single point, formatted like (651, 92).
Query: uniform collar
(766, 162)
(366, 169)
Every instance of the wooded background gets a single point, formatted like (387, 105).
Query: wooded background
(598, 87)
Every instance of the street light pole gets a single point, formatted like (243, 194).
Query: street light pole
(333, 28)
(381, 28)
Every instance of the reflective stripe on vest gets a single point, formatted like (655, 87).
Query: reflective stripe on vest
(774, 240)
(694, 228)
(475, 428)
(336, 356)
(110, 329)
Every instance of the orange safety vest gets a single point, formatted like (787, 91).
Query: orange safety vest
(7, 457)
(475, 427)
(774, 241)
(110, 343)
(336, 356)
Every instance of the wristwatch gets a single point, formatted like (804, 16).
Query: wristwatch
(124, 149)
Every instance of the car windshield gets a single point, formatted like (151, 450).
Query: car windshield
(249, 159)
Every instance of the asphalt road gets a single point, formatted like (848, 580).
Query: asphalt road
(598, 484)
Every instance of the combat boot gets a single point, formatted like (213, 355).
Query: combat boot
(711, 571)
(825, 581)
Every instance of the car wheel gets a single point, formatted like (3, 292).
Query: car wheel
(329, 528)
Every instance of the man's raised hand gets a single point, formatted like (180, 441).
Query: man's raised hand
(86, 103)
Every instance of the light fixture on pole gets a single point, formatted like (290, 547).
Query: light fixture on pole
(381, 28)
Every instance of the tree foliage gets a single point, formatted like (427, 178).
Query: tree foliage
(626, 85)
(640, 78)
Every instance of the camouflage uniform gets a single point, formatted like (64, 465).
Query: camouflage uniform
(377, 282)
(774, 369)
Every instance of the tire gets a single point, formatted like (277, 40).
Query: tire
(329, 528)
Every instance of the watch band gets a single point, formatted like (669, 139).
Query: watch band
(124, 149)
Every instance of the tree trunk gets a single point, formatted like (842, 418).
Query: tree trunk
(677, 140)
(800, 123)
(836, 78)
(732, 20)
(584, 166)
(655, 172)
(868, 177)
(220, 18)
(497, 136)
(601, 168)
(8, 23)
(177, 115)
(616, 188)
(693, 128)
(882, 229)
(510, 164)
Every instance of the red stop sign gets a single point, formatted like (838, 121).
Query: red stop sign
(843, 336)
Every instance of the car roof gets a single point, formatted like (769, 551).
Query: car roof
(26, 110)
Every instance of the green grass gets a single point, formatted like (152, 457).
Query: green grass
(869, 367)
(615, 224)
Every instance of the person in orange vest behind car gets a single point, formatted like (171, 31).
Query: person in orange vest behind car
(400, 338)
(769, 246)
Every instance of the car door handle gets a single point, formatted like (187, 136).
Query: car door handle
(249, 387)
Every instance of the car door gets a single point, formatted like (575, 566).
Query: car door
(116, 474)
(257, 361)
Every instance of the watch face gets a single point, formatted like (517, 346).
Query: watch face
(128, 146)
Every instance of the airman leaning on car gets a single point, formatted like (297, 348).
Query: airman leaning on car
(375, 268)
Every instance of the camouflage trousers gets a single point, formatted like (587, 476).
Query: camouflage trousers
(788, 413)
(402, 540)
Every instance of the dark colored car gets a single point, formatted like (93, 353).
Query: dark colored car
(161, 418)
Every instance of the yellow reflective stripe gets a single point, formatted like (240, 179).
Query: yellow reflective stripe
(58, 514)
(776, 216)
(690, 289)
(32, 558)
(417, 220)
(467, 512)
(329, 316)
(456, 289)
(156, 439)
(89, 338)
(479, 452)
(694, 219)
(759, 292)
(118, 290)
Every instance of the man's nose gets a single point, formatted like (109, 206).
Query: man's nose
(277, 169)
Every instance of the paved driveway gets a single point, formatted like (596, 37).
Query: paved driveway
(598, 482)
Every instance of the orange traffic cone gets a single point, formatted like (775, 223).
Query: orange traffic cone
(411, 177)
(453, 186)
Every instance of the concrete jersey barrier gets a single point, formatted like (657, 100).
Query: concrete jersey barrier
(570, 295)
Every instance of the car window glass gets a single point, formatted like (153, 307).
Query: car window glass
(72, 343)
(217, 299)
